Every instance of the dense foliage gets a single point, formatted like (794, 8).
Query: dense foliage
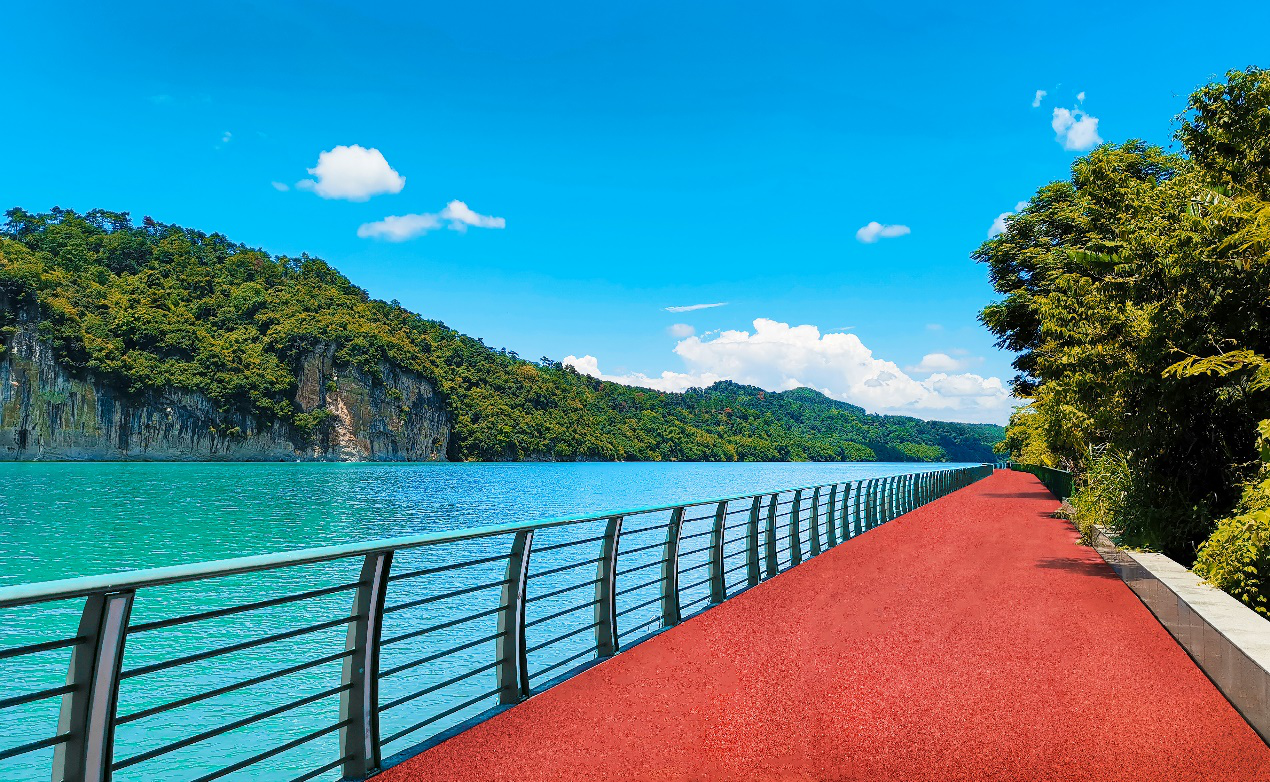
(1136, 297)
(148, 307)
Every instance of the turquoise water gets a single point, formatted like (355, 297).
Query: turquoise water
(64, 520)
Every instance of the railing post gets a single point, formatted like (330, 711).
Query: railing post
(87, 717)
(873, 503)
(795, 545)
(769, 538)
(606, 590)
(831, 523)
(670, 570)
(813, 527)
(847, 490)
(359, 704)
(751, 543)
(718, 591)
(513, 671)
(857, 523)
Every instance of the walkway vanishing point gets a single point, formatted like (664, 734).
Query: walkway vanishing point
(971, 639)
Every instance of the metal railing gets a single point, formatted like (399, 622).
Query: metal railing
(1059, 482)
(257, 667)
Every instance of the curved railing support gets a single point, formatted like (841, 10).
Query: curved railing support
(88, 711)
(513, 670)
(359, 703)
(606, 642)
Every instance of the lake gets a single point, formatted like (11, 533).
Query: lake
(65, 520)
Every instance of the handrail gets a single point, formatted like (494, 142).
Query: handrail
(475, 627)
(1061, 483)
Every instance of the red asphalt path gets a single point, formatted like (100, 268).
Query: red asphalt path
(971, 639)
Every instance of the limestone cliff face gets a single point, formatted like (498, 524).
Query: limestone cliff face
(46, 414)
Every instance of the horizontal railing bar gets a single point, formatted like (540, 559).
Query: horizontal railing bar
(684, 608)
(442, 626)
(320, 770)
(560, 591)
(428, 571)
(22, 749)
(644, 604)
(637, 628)
(647, 547)
(737, 553)
(559, 614)
(227, 727)
(238, 647)
(693, 586)
(44, 591)
(438, 686)
(31, 697)
(683, 554)
(44, 646)
(560, 638)
(695, 535)
(278, 750)
(690, 569)
(644, 566)
(637, 588)
(540, 549)
(563, 568)
(690, 520)
(560, 663)
(437, 656)
(228, 688)
(443, 596)
(219, 612)
(735, 568)
(441, 716)
(638, 530)
(737, 526)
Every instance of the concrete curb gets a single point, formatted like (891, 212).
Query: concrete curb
(1228, 640)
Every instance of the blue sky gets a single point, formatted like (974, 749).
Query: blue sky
(637, 157)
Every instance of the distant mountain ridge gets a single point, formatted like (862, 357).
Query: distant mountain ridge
(152, 341)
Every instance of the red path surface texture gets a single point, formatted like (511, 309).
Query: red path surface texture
(971, 639)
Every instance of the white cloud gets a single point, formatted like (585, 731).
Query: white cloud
(937, 362)
(1080, 95)
(667, 381)
(998, 225)
(875, 230)
(1075, 130)
(456, 216)
(226, 137)
(1037, 100)
(681, 330)
(693, 307)
(352, 174)
(281, 187)
(777, 356)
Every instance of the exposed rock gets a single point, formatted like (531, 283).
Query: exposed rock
(47, 413)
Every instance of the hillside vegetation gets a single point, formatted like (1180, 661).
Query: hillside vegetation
(153, 306)
(1137, 294)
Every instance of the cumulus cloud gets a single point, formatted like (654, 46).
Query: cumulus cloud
(998, 225)
(875, 230)
(778, 356)
(352, 173)
(937, 362)
(1036, 101)
(456, 216)
(681, 330)
(693, 307)
(281, 187)
(1075, 130)
(1080, 95)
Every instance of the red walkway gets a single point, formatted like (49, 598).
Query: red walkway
(969, 640)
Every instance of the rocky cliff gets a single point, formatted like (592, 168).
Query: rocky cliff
(47, 413)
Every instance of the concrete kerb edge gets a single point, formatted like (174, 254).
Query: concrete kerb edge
(1227, 640)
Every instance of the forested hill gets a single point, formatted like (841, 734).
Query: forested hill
(149, 309)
